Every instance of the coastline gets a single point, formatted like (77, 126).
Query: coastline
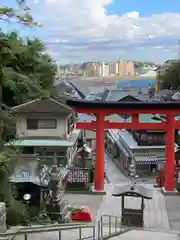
(112, 79)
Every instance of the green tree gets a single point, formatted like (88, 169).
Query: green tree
(20, 14)
(171, 76)
(26, 72)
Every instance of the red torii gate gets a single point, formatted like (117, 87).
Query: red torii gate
(101, 108)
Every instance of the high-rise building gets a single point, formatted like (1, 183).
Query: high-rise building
(113, 68)
(126, 68)
(106, 70)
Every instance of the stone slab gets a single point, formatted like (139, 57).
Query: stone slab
(170, 193)
(96, 192)
(146, 235)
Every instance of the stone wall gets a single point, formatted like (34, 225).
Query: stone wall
(2, 217)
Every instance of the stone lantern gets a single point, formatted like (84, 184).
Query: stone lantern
(57, 207)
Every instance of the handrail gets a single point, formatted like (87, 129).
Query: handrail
(49, 226)
(99, 229)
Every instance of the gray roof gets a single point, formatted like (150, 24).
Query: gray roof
(127, 137)
(80, 88)
(117, 95)
(83, 117)
(163, 95)
(136, 191)
(61, 87)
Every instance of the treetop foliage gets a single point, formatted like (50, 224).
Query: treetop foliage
(170, 75)
(21, 14)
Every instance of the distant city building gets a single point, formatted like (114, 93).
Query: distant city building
(126, 68)
(106, 70)
(61, 69)
(113, 68)
(101, 69)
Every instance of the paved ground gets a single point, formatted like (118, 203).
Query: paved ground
(155, 215)
(112, 172)
(173, 210)
(146, 235)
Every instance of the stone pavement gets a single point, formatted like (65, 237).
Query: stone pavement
(155, 214)
(112, 172)
(173, 208)
(146, 235)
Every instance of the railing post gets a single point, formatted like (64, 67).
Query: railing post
(99, 234)
(25, 236)
(94, 232)
(109, 225)
(80, 233)
(59, 234)
(101, 226)
(115, 224)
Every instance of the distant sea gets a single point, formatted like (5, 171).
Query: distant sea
(138, 83)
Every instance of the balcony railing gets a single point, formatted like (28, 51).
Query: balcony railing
(39, 173)
(149, 141)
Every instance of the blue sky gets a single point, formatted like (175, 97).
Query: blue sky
(145, 8)
(105, 30)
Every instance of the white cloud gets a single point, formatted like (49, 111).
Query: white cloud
(87, 21)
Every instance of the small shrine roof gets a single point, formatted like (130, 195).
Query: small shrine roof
(132, 191)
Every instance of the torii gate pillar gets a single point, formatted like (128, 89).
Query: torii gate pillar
(99, 163)
(169, 154)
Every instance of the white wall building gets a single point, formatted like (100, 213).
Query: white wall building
(113, 68)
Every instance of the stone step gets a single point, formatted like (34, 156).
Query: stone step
(148, 235)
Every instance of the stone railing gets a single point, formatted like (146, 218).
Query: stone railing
(2, 217)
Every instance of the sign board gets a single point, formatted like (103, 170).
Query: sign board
(78, 179)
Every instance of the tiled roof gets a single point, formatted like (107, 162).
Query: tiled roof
(118, 95)
(148, 159)
(83, 91)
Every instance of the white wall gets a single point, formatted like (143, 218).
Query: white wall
(60, 131)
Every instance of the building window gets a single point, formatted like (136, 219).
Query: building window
(150, 137)
(33, 124)
(143, 136)
(47, 124)
(28, 150)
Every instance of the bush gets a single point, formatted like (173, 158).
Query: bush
(16, 216)
(42, 218)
